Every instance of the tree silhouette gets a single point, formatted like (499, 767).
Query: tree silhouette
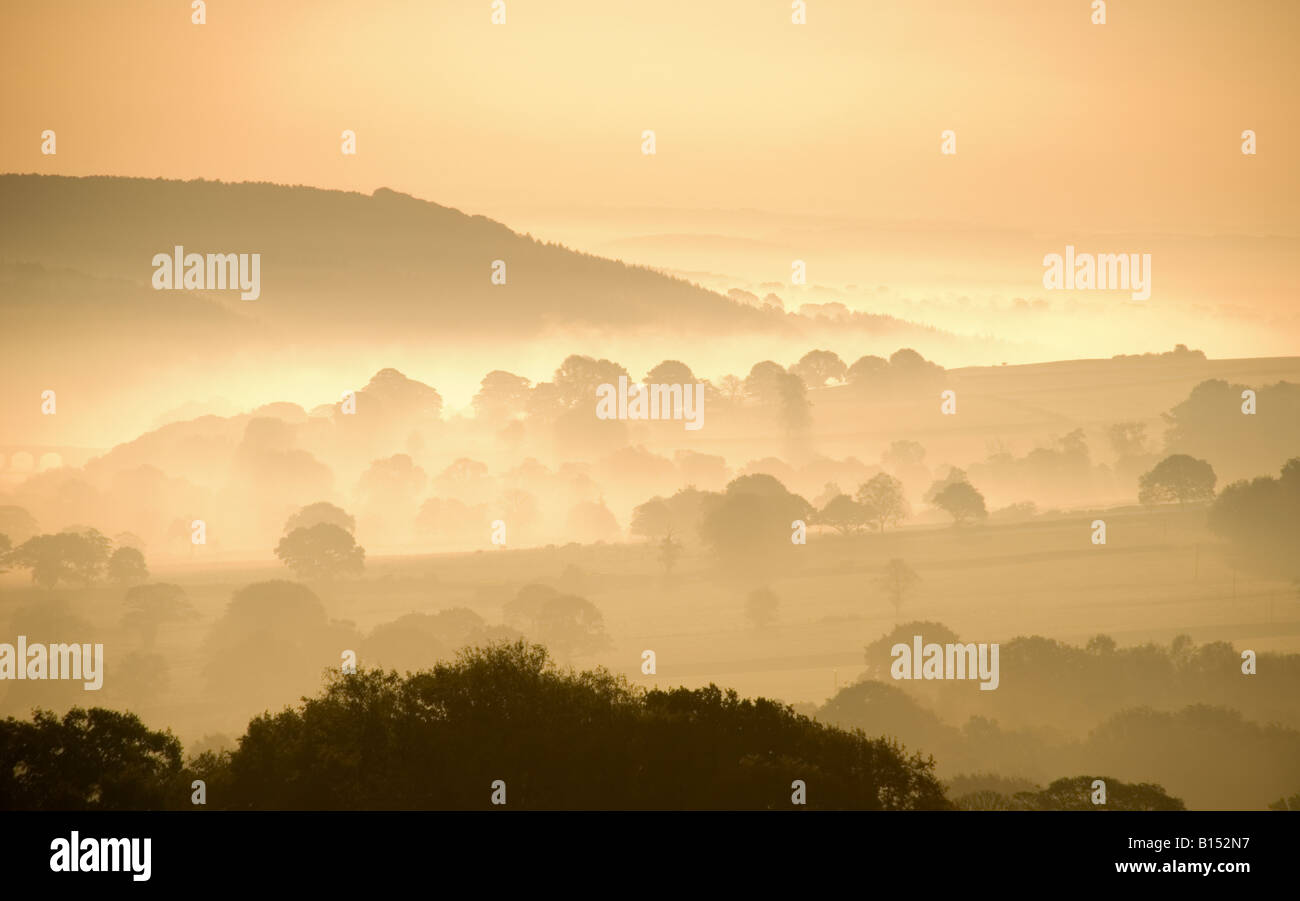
(577, 740)
(868, 374)
(126, 567)
(272, 641)
(732, 390)
(65, 557)
(1284, 803)
(749, 525)
(843, 514)
(679, 514)
(1177, 478)
(1076, 793)
(669, 551)
(17, 523)
(319, 512)
(1262, 520)
(87, 760)
(883, 500)
(764, 382)
(817, 367)
(878, 653)
(150, 606)
(579, 376)
(502, 396)
(670, 372)
(564, 623)
(896, 580)
(760, 607)
(962, 502)
(323, 551)
(1209, 425)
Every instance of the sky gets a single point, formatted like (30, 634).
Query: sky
(1133, 125)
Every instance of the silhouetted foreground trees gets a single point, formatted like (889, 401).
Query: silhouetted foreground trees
(1075, 793)
(88, 760)
(439, 738)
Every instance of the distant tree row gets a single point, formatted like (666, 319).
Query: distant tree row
(75, 556)
(504, 396)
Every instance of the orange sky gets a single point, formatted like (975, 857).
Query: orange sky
(1130, 126)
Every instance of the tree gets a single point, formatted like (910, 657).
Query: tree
(65, 557)
(5, 547)
(1128, 439)
(17, 523)
(150, 606)
(577, 740)
(795, 409)
(579, 376)
(678, 514)
(1209, 425)
(669, 551)
(902, 454)
(651, 519)
(732, 389)
(896, 581)
(962, 502)
(749, 524)
(763, 384)
(519, 510)
(883, 500)
(868, 372)
(1177, 478)
(906, 366)
(323, 551)
(570, 625)
(843, 514)
(1262, 520)
(319, 512)
(761, 606)
(93, 759)
(272, 642)
(769, 385)
(502, 396)
(392, 478)
(1076, 793)
(391, 395)
(565, 623)
(817, 367)
(465, 480)
(126, 567)
(954, 475)
(670, 372)
(879, 654)
(1285, 803)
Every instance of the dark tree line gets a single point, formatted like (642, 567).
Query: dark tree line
(439, 738)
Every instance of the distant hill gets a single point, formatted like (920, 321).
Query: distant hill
(348, 283)
(373, 266)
